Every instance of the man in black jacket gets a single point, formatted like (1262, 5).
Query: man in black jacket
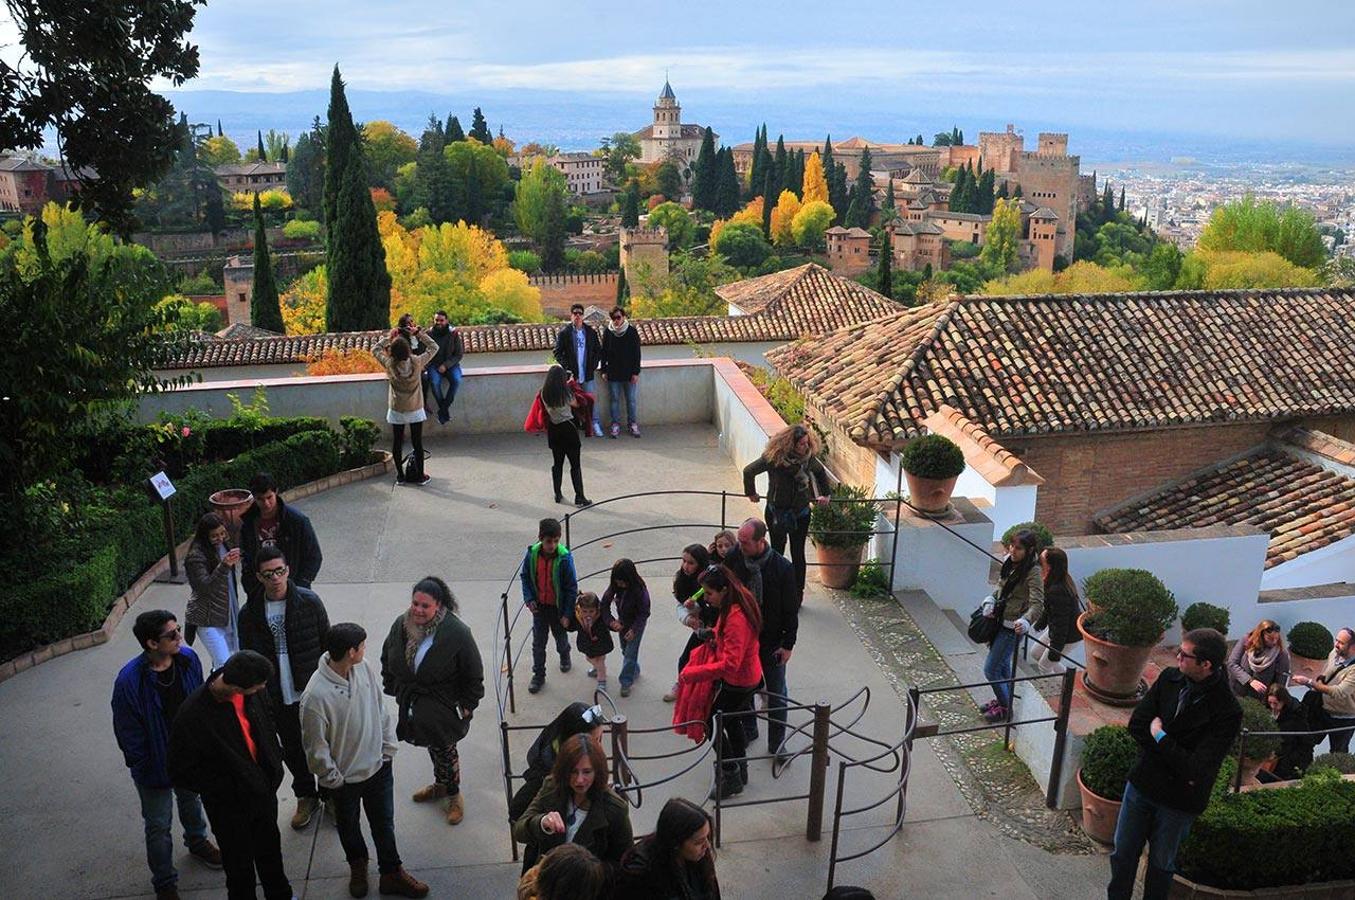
(287, 624)
(444, 371)
(1185, 726)
(222, 747)
(272, 523)
(577, 349)
(620, 367)
(771, 578)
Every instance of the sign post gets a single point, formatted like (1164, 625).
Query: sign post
(163, 489)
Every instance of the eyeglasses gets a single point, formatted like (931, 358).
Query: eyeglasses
(171, 635)
(273, 573)
(1181, 654)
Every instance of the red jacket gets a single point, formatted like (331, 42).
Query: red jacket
(736, 654)
(694, 699)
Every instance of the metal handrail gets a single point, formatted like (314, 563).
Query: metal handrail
(1246, 732)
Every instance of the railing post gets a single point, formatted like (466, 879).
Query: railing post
(508, 651)
(912, 715)
(717, 725)
(508, 780)
(621, 773)
(818, 772)
(1241, 750)
(1051, 797)
(837, 823)
(1011, 694)
(568, 541)
(724, 499)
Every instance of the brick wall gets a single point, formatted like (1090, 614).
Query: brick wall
(559, 292)
(851, 462)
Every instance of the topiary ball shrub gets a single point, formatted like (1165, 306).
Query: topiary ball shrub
(933, 456)
(1205, 615)
(1310, 640)
(1341, 762)
(1132, 607)
(1043, 537)
(847, 521)
(1262, 742)
(1108, 754)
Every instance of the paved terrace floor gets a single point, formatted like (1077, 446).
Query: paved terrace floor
(70, 817)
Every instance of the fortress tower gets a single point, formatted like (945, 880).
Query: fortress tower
(644, 245)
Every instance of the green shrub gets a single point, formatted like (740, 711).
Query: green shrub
(1341, 762)
(933, 456)
(228, 438)
(1285, 836)
(1043, 537)
(872, 581)
(297, 230)
(72, 600)
(848, 521)
(317, 453)
(1132, 607)
(1205, 615)
(1310, 640)
(356, 443)
(1262, 742)
(524, 261)
(1107, 756)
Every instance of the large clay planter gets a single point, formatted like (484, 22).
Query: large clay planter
(1302, 665)
(230, 504)
(930, 496)
(838, 566)
(1098, 814)
(1113, 670)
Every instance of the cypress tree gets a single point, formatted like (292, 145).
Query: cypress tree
(960, 140)
(919, 139)
(552, 237)
(622, 289)
(727, 191)
(359, 285)
(705, 174)
(959, 195)
(887, 205)
(1108, 204)
(1121, 199)
(853, 217)
(286, 150)
(219, 132)
(795, 179)
(779, 163)
(863, 193)
(263, 157)
(433, 175)
(984, 196)
(756, 166)
(1001, 193)
(479, 129)
(264, 308)
(340, 143)
(884, 282)
(955, 139)
(453, 132)
(768, 201)
(630, 205)
(1016, 194)
(836, 176)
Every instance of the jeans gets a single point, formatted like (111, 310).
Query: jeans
(774, 676)
(1162, 828)
(545, 622)
(630, 653)
(157, 811)
(778, 534)
(444, 385)
(614, 391)
(998, 665)
(220, 642)
(287, 719)
(377, 795)
(247, 830)
(591, 387)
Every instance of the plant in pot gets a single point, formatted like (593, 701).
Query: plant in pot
(932, 464)
(1205, 615)
(1262, 743)
(1108, 754)
(841, 529)
(1130, 610)
(1043, 537)
(1309, 645)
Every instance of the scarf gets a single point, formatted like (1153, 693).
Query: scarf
(755, 564)
(415, 633)
(625, 323)
(1259, 661)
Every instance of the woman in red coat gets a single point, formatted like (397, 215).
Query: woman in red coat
(734, 666)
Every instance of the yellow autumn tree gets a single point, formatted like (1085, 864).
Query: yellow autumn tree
(303, 304)
(751, 214)
(1238, 269)
(1084, 277)
(509, 289)
(815, 185)
(787, 206)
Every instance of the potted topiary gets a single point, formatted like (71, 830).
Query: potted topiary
(1261, 743)
(1205, 615)
(1130, 610)
(1309, 645)
(932, 465)
(1108, 754)
(1043, 537)
(841, 529)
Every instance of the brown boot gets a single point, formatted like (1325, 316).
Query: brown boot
(456, 810)
(402, 884)
(357, 878)
(169, 893)
(430, 793)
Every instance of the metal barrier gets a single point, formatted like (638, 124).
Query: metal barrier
(1247, 732)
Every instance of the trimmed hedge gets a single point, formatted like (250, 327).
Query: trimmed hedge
(68, 602)
(1257, 720)
(1311, 640)
(1205, 615)
(933, 456)
(1341, 762)
(1108, 755)
(1043, 537)
(1132, 606)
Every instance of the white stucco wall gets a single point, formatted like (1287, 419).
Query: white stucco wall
(1334, 562)
(930, 558)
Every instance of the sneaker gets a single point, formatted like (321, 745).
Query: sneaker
(419, 481)
(671, 696)
(996, 714)
(597, 429)
(206, 853)
(634, 430)
(581, 502)
(616, 430)
(592, 672)
(988, 707)
(399, 477)
(402, 884)
(306, 808)
(625, 690)
(536, 684)
(565, 664)
(456, 810)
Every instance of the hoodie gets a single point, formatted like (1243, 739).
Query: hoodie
(347, 730)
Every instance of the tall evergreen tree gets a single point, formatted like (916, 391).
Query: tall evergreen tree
(286, 150)
(918, 141)
(727, 189)
(768, 201)
(453, 132)
(630, 205)
(984, 195)
(755, 168)
(960, 141)
(433, 188)
(306, 172)
(264, 308)
(1001, 193)
(622, 289)
(887, 208)
(341, 141)
(795, 178)
(836, 173)
(863, 193)
(884, 280)
(959, 195)
(1108, 203)
(854, 218)
(955, 138)
(263, 154)
(479, 129)
(779, 164)
(553, 234)
(1121, 207)
(219, 132)
(705, 174)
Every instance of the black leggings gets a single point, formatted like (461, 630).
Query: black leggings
(797, 537)
(415, 438)
(734, 738)
(563, 439)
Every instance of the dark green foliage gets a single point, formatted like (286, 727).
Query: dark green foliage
(1205, 615)
(1108, 754)
(1121, 207)
(1310, 640)
(479, 129)
(669, 181)
(1341, 762)
(942, 139)
(872, 581)
(757, 168)
(933, 456)
(341, 144)
(453, 132)
(984, 196)
(433, 188)
(219, 132)
(622, 289)
(1260, 725)
(884, 279)
(306, 171)
(1107, 208)
(1043, 537)
(848, 521)
(854, 217)
(551, 240)
(1133, 607)
(264, 309)
(188, 196)
(779, 165)
(263, 154)
(705, 174)
(630, 205)
(286, 150)
(727, 188)
(768, 201)
(743, 246)
(795, 173)
(863, 192)
(835, 173)
(72, 600)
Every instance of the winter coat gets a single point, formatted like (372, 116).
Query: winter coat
(1061, 610)
(405, 378)
(631, 606)
(1240, 677)
(139, 716)
(605, 830)
(565, 355)
(1296, 753)
(208, 755)
(791, 487)
(307, 623)
(451, 348)
(450, 680)
(1025, 598)
(736, 660)
(620, 354)
(563, 578)
(1179, 770)
(644, 877)
(780, 604)
(693, 700)
(209, 606)
(1340, 700)
(345, 726)
(295, 538)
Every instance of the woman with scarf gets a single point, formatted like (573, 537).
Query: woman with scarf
(795, 479)
(1258, 661)
(214, 605)
(432, 668)
(620, 368)
(404, 372)
(1020, 603)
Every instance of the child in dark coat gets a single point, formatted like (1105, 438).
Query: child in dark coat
(593, 622)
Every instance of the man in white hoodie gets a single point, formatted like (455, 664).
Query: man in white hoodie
(350, 740)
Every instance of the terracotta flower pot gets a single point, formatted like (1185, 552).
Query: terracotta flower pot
(1113, 670)
(930, 496)
(1302, 665)
(1098, 814)
(838, 566)
(230, 504)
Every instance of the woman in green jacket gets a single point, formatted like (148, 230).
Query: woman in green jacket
(795, 479)
(1020, 593)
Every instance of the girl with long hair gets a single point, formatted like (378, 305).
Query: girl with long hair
(795, 479)
(692, 609)
(1058, 625)
(562, 435)
(628, 595)
(404, 373)
(1020, 595)
(676, 861)
(1258, 661)
(576, 718)
(214, 606)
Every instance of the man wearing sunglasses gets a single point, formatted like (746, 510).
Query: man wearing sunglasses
(1184, 725)
(577, 349)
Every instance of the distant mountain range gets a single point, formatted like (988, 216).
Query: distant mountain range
(578, 121)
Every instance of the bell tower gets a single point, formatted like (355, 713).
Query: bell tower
(667, 114)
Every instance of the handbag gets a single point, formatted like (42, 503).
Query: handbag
(983, 629)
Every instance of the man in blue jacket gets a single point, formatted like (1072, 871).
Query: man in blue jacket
(549, 589)
(146, 697)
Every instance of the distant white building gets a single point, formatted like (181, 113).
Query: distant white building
(583, 171)
(667, 138)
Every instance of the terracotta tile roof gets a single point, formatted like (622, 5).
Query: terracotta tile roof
(1303, 506)
(1088, 362)
(998, 465)
(688, 132)
(1319, 442)
(796, 303)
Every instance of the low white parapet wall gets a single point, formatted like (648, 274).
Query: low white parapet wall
(931, 556)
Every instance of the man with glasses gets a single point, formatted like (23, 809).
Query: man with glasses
(444, 371)
(147, 696)
(1336, 684)
(287, 625)
(621, 368)
(577, 349)
(1184, 726)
